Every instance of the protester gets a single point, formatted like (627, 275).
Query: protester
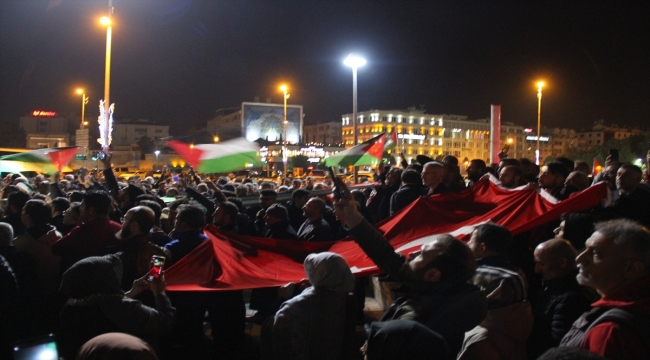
(116, 346)
(98, 306)
(318, 323)
(576, 228)
(295, 207)
(277, 223)
(432, 177)
(552, 180)
(616, 264)
(410, 191)
(562, 300)
(510, 177)
(475, 170)
(92, 237)
(315, 228)
(437, 275)
(135, 250)
(634, 200)
(37, 241)
(16, 200)
(509, 321)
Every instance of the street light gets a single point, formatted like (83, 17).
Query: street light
(540, 85)
(215, 139)
(106, 21)
(354, 62)
(84, 101)
(284, 148)
(157, 152)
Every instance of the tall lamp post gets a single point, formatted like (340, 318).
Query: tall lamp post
(84, 101)
(354, 62)
(284, 147)
(106, 21)
(540, 85)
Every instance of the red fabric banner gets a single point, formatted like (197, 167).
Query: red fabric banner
(231, 262)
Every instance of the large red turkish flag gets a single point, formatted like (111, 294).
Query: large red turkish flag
(231, 262)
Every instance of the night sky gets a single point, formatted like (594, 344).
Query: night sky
(176, 62)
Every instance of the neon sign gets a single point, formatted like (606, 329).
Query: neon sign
(43, 113)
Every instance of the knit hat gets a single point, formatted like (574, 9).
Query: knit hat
(93, 275)
(277, 211)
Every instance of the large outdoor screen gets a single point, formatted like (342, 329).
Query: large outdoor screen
(265, 121)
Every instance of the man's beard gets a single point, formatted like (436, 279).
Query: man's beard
(124, 234)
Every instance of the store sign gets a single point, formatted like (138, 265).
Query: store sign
(541, 138)
(411, 136)
(42, 113)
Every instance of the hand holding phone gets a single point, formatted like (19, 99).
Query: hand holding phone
(156, 268)
(613, 153)
(340, 190)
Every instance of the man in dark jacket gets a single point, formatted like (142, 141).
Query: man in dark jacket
(562, 300)
(277, 223)
(298, 199)
(437, 275)
(315, 228)
(410, 191)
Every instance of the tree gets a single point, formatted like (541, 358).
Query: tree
(146, 145)
(300, 161)
(629, 150)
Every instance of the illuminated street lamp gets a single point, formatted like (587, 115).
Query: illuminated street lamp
(215, 139)
(84, 101)
(540, 85)
(354, 62)
(106, 21)
(284, 148)
(157, 152)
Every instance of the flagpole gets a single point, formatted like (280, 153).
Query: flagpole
(354, 62)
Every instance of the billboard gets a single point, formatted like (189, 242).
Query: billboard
(265, 121)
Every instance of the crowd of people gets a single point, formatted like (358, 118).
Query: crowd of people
(75, 260)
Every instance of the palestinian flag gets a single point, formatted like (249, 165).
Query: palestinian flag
(47, 160)
(217, 158)
(367, 153)
(391, 142)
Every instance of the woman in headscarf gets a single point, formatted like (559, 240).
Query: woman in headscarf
(97, 305)
(317, 323)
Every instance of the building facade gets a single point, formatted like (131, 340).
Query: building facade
(425, 134)
(129, 132)
(45, 129)
(325, 134)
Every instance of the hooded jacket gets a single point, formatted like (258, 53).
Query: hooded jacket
(97, 306)
(313, 324)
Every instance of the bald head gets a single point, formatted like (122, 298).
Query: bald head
(555, 259)
(6, 234)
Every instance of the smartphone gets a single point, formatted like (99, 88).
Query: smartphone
(614, 154)
(157, 265)
(42, 347)
(83, 172)
(101, 155)
(505, 148)
(340, 190)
